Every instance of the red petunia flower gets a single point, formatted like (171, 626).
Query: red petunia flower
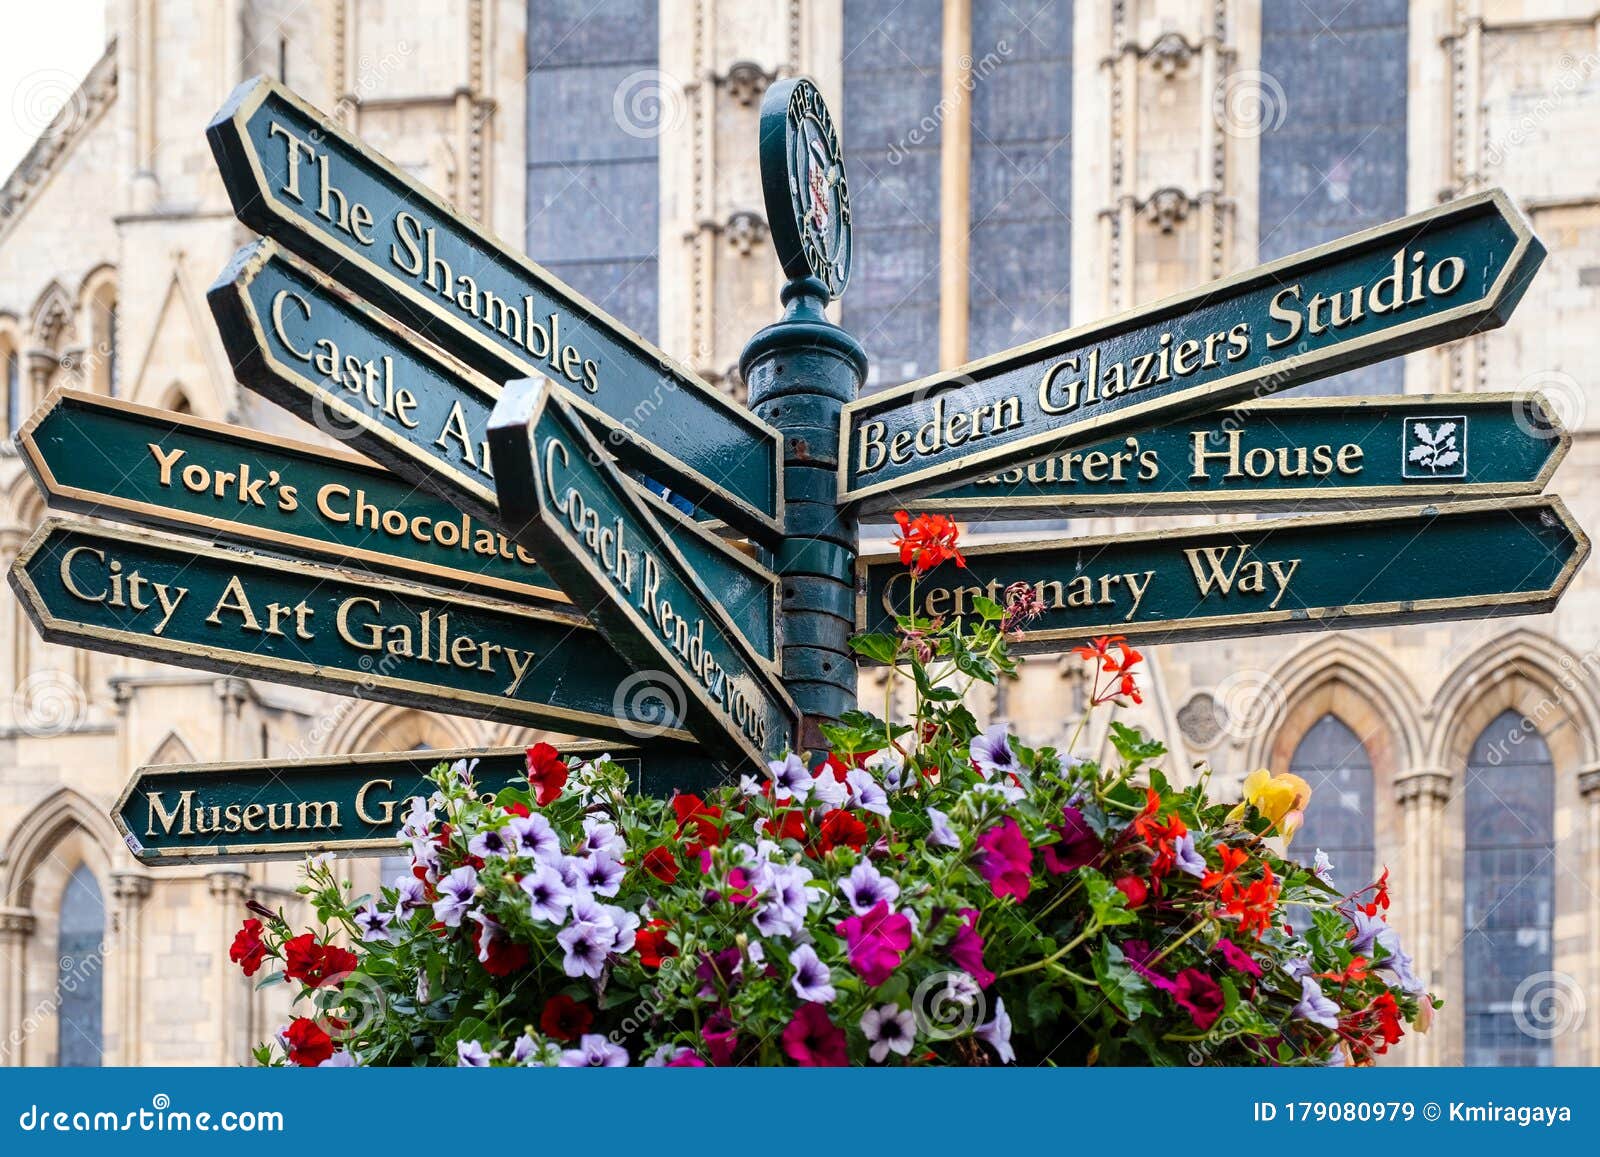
(812, 1040)
(789, 824)
(693, 812)
(927, 540)
(564, 1018)
(839, 829)
(547, 774)
(503, 957)
(307, 1044)
(661, 863)
(652, 944)
(248, 952)
(316, 965)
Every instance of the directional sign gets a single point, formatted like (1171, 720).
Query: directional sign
(562, 498)
(115, 459)
(239, 613)
(282, 808)
(1465, 560)
(294, 175)
(1438, 275)
(297, 339)
(1288, 454)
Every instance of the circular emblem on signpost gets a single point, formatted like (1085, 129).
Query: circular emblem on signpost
(802, 177)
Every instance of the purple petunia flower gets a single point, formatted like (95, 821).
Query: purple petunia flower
(600, 874)
(940, 835)
(455, 894)
(585, 946)
(419, 821)
(594, 1051)
(813, 982)
(888, 1028)
(526, 1051)
(865, 886)
(602, 839)
(1366, 932)
(1186, 858)
(491, 842)
(1315, 1007)
(791, 777)
(1322, 867)
(828, 793)
(470, 1055)
(343, 1059)
(548, 895)
(534, 836)
(889, 766)
(992, 752)
(866, 793)
(785, 893)
(1399, 962)
(997, 1034)
(374, 922)
(409, 894)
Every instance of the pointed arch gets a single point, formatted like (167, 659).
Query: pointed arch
(171, 749)
(383, 727)
(97, 320)
(1530, 673)
(38, 833)
(1345, 677)
(52, 315)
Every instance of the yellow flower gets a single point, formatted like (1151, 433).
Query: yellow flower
(1281, 798)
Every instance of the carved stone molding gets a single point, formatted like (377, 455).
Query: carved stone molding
(744, 231)
(16, 923)
(1426, 783)
(229, 883)
(130, 887)
(744, 82)
(1170, 54)
(1202, 719)
(1589, 782)
(1167, 208)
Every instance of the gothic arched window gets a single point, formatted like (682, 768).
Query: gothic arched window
(80, 964)
(1510, 890)
(1333, 760)
(13, 393)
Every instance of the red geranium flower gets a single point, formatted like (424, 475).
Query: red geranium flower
(1232, 860)
(547, 774)
(927, 540)
(307, 1044)
(248, 952)
(652, 944)
(564, 1018)
(661, 863)
(786, 825)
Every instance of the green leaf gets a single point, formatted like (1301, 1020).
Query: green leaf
(1133, 746)
(1121, 985)
(991, 611)
(877, 647)
(1109, 905)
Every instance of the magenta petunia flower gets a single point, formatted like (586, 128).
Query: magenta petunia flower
(812, 1040)
(1077, 847)
(1237, 958)
(966, 949)
(877, 940)
(1006, 860)
(1200, 996)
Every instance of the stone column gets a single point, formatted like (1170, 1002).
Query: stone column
(1419, 889)
(229, 888)
(16, 928)
(1589, 791)
(129, 891)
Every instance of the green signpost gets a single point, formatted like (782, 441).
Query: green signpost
(282, 808)
(115, 459)
(1428, 278)
(511, 570)
(240, 613)
(293, 175)
(1289, 454)
(1406, 565)
(563, 498)
(296, 338)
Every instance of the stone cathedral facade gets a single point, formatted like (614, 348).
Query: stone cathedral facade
(1016, 168)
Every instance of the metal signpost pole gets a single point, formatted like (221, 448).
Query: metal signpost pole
(801, 371)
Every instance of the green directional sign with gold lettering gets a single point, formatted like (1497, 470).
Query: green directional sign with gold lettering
(295, 176)
(1288, 454)
(279, 808)
(1432, 277)
(299, 340)
(239, 613)
(562, 497)
(116, 459)
(1466, 560)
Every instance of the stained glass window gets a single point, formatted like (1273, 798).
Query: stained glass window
(1333, 136)
(1333, 760)
(80, 960)
(1510, 892)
